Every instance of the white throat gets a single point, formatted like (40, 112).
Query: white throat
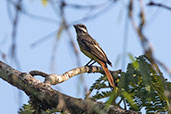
(83, 29)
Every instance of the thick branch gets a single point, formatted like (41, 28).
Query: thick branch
(47, 98)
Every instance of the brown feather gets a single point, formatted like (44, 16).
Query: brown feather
(108, 74)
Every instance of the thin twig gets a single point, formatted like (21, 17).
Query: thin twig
(151, 3)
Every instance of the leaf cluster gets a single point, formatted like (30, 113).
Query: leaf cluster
(139, 87)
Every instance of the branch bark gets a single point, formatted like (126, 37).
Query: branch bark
(45, 97)
(54, 79)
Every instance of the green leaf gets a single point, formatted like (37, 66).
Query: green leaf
(131, 57)
(130, 100)
(26, 109)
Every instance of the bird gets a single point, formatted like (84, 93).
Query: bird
(92, 49)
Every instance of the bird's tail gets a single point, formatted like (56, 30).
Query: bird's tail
(108, 74)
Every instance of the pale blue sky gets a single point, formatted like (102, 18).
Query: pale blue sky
(107, 29)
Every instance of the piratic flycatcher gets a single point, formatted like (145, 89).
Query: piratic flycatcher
(91, 48)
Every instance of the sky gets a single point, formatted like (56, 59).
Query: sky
(108, 29)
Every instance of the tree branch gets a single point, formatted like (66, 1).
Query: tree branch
(151, 3)
(54, 79)
(47, 98)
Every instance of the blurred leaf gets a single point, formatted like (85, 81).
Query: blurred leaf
(113, 97)
(99, 84)
(44, 2)
(130, 99)
(131, 57)
(102, 94)
(28, 109)
(135, 63)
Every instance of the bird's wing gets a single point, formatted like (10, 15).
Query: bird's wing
(90, 45)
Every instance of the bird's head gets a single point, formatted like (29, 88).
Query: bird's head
(81, 29)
